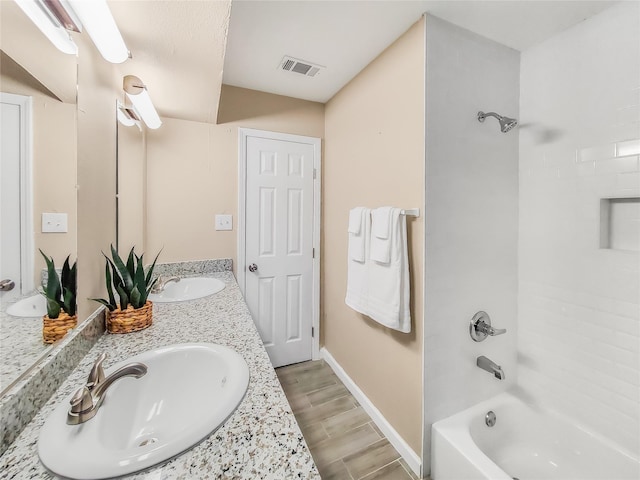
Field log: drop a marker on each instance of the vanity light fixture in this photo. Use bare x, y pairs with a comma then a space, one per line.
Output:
127, 116
101, 27
55, 18
49, 25
136, 91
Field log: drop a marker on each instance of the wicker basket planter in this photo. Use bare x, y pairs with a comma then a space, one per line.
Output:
130, 320
56, 328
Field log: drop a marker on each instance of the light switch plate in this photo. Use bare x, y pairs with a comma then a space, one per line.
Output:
54, 223
224, 222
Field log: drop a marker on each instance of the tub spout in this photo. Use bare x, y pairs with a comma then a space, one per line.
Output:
490, 366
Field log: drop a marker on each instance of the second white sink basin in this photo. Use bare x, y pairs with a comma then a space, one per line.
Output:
188, 289
189, 390
34, 306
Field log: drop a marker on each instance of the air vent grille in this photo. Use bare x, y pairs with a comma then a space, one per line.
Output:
302, 67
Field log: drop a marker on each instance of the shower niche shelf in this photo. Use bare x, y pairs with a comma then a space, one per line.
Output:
620, 223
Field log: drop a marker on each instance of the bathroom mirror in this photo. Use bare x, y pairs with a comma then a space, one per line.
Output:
131, 188
32, 68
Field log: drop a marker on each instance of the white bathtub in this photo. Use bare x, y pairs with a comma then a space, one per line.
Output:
525, 443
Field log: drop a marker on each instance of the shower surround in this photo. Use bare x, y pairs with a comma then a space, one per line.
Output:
517, 224
471, 217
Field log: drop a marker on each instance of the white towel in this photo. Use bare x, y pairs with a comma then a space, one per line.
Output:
381, 238
357, 271
381, 222
355, 220
357, 235
388, 284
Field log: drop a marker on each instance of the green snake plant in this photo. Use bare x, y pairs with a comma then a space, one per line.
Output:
129, 280
60, 292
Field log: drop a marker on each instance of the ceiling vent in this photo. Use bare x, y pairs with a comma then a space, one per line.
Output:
302, 67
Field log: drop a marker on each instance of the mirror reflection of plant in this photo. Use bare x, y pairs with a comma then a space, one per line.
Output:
130, 281
60, 292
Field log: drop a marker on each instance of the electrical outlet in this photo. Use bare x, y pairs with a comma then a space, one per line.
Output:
224, 222
54, 223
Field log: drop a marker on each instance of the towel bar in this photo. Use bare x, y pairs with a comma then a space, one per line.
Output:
411, 212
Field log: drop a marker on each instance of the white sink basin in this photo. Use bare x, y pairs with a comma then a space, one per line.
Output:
34, 306
187, 289
188, 392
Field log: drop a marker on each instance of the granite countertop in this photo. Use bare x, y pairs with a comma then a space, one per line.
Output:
20, 342
261, 439
20, 338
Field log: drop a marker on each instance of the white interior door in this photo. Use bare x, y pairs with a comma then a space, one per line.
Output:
15, 259
279, 243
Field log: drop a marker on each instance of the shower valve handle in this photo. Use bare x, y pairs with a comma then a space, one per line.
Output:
480, 327
491, 331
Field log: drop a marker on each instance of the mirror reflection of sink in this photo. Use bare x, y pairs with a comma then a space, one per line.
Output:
189, 390
34, 306
188, 289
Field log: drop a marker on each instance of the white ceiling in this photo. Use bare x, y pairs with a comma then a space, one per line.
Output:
344, 36
177, 50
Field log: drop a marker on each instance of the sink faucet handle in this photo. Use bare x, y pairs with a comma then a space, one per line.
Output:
81, 401
158, 284
96, 375
85, 403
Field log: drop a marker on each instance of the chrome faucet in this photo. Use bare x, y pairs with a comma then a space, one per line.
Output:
161, 283
490, 366
87, 400
480, 327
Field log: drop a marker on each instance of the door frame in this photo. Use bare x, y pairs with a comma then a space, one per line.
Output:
243, 134
25, 104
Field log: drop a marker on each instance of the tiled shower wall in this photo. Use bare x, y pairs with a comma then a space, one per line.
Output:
579, 325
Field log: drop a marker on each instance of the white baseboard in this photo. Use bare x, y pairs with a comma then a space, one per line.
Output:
411, 457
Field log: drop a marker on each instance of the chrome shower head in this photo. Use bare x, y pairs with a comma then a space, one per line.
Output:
506, 123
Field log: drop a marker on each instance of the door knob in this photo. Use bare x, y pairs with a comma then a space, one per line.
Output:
253, 267
7, 285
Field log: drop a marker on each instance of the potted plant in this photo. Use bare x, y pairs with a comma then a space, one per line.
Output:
132, 284
61, 300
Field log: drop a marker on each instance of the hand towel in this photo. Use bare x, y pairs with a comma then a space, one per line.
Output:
388, 300
381, 222
357, 273
381, 241
356, 233
355, 220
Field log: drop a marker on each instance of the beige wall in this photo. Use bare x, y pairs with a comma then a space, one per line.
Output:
98, 89
375, 125
192, 171
374, 156
54, 162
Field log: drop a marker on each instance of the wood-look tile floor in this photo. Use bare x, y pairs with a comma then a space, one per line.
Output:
344, 441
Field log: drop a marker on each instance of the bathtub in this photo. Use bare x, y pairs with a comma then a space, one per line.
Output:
525, 443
